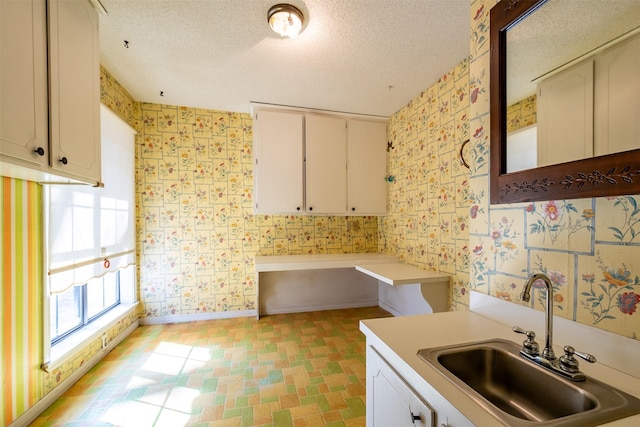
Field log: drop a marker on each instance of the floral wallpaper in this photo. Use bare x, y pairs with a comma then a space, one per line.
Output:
429, 196
590, 248
197, 234
522, 114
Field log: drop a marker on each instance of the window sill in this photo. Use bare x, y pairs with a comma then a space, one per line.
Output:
79, 339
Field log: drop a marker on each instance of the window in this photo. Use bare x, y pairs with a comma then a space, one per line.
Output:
91, 238
80, 305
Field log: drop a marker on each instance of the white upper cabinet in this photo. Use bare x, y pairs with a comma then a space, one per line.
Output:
367, 153
565, 113
50, 91
24, 135
591, 108
617, 93
326, 164
74, 67
318, 163
279, 161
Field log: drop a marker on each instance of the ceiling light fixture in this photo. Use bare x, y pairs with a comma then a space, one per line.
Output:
285, 20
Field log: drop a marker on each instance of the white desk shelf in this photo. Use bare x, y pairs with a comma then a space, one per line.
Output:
292, 283
418, 284
266, 263
401, 274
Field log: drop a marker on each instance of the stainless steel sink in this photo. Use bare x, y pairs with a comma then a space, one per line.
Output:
521, 393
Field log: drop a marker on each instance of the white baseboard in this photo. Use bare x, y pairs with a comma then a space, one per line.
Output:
160, 320
390, 309
32, 413
319, 307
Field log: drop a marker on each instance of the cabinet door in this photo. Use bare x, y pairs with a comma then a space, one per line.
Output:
23, 82
278, 175
565, 116
390, 400
367, 167
326, 164
617, 125
74, 80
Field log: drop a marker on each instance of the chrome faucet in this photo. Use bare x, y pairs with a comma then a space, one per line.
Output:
567, 365
547, 352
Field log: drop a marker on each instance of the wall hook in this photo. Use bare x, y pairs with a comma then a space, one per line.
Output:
126, 44
462, 160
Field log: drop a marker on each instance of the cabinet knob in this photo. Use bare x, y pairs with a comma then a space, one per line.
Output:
39, 150
298, 208
353, 209
310, 208
415, 417
64, 160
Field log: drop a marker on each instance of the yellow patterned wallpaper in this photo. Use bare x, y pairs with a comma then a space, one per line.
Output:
197, 234
522, 114
589, 248
429, 202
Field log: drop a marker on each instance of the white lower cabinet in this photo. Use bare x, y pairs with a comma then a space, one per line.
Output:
393, 402
390, 400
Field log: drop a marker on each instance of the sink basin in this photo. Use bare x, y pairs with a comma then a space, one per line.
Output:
521, 393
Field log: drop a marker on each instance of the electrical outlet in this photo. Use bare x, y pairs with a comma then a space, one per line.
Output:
104, 341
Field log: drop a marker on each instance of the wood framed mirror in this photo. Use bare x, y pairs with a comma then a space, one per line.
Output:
602, 175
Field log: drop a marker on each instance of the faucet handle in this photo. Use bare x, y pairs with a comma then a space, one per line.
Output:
529, 346
569, 363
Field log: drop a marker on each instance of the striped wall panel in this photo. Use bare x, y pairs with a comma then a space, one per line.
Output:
21, 264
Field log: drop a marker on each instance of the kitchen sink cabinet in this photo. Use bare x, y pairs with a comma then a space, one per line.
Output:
50, 91
393, 401
390, 400
318, 163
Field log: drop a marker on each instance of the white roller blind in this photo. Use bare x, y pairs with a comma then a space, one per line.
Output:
91, 229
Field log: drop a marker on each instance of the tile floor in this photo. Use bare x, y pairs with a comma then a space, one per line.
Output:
299, 370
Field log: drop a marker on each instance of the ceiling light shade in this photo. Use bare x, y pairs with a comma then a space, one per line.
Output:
285, 20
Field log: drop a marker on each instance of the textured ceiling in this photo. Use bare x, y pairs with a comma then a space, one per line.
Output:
560, 32
359, 56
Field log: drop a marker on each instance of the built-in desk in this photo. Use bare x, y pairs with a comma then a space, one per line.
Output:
294, 283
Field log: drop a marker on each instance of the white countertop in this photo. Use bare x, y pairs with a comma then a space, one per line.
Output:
399, 339
401, 274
